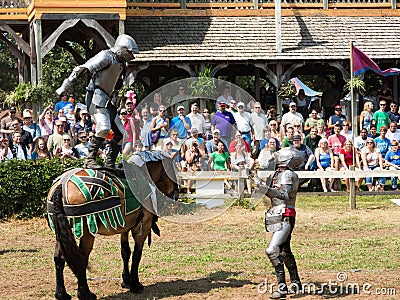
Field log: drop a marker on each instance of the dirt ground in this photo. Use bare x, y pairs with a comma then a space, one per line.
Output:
27, 270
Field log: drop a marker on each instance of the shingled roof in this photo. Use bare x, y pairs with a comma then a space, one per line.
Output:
253, 38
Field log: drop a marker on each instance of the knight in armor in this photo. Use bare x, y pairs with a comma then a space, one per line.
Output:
106, 69
282, 188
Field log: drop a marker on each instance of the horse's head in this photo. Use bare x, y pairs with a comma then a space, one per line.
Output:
164, 175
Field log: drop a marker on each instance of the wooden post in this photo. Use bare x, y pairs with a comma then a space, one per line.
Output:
352, 195
241, 184
255, 4
37, 27
326, 3
278, 41
121, 27
278, 84
183, 4
33, 56
257, 83
394, 4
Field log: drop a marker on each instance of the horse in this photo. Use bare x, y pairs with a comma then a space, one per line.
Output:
69, 196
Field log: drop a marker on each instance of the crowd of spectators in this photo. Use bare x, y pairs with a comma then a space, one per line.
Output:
233, 136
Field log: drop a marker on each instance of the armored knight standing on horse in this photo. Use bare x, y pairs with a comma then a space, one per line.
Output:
107, 69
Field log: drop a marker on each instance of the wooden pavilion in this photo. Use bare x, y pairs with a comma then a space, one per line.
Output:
235, 38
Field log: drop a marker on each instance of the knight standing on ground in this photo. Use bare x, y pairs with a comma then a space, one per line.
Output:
107, 69
282, 188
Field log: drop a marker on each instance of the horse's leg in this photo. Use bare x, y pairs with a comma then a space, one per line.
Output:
136, 286
86, 244
61, 293
126, 254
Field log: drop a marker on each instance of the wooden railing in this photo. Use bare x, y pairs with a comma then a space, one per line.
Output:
261, 4
210, 176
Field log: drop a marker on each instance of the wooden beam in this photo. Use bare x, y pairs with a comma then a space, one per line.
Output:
13, 49
20, 42
187, 68
100, 29
50, 42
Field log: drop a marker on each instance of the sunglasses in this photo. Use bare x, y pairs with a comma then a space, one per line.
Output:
369, 142
162, 110
345, 125
59, 125
272, 124
382, 104
124, 114
83, 137
393, 145
49, 113
257, 107
206, 112
67, 140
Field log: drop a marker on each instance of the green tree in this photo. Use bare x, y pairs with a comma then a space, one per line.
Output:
57, 65
8, 71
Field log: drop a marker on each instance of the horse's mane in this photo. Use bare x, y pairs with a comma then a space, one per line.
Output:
142, 157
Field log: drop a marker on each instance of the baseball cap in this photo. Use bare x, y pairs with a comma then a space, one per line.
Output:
194, 130
83, 111
338, 106
180, 107
240, 104
128, 101
13, 109
216, 131
292, 104
63, 119
222, 104
296, 137
123, 111
58, 122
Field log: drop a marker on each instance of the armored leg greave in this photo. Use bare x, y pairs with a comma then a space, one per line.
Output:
94, 147
112, 154
282, 290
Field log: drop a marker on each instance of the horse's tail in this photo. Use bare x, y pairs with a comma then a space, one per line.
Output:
155, 229
73, 255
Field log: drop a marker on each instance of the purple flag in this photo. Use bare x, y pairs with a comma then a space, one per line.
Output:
362, 63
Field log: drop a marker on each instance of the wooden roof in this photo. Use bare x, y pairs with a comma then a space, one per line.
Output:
253, 38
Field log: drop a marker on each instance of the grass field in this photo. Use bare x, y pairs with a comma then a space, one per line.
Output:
224, 258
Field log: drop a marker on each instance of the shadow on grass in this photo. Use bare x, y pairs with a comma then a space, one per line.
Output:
181, 287
18, 250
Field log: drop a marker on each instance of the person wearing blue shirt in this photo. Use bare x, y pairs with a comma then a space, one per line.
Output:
181, 123
392, 159
63, 104
382, 143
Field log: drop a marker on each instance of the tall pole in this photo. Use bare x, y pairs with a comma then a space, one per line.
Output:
352, 197
278, 26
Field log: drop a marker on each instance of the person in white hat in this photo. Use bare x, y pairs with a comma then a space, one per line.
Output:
290, 117
31, 127
244, 123
182, 123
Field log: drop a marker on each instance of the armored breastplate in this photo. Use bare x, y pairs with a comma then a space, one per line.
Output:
289, 181
107, 79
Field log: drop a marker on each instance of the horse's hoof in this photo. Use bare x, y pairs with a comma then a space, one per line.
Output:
87, 296
62, 296
137, 288
125, 285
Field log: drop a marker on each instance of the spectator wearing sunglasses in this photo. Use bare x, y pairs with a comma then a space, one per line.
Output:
55, 140
83, 147
66, 150
46, 122
6, 123
381, 117
392, 159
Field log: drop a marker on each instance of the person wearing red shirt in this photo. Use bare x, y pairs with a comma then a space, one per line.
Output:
336, 142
